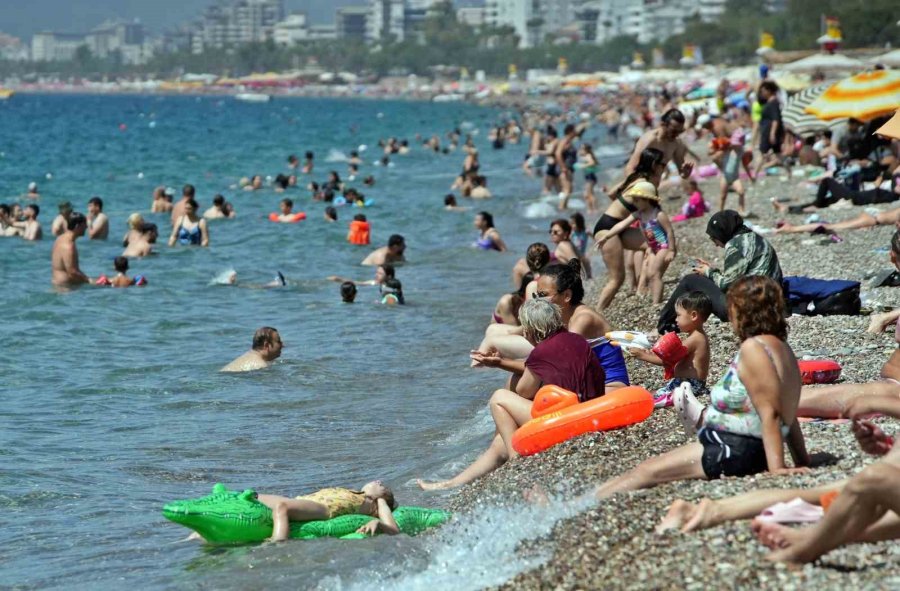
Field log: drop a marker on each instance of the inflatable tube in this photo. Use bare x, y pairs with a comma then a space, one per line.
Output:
293, 219
621, 408
552, 399
819, 371
629, 338
228, 517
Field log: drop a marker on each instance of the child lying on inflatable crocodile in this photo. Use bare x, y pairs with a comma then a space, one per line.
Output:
230, 516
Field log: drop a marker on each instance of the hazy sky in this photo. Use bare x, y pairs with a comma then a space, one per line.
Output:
25, 17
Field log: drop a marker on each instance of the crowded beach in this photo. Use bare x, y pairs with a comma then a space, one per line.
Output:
733, 356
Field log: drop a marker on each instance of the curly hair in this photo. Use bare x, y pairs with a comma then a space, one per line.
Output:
756, 307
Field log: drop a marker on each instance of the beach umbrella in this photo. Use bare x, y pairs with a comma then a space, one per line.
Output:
790, 81
890, 59
864, 97
891, 129
794, 115
825, 62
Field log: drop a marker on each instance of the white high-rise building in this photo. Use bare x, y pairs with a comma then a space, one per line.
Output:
532, 20
386, 20
236, 22
293, 29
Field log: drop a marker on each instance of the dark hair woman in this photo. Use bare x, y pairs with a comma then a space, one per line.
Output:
753, 410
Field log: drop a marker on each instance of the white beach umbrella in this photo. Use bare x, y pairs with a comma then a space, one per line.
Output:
798, 122
890, 59
826, 63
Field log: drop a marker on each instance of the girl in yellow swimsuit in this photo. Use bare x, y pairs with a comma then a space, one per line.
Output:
373, 499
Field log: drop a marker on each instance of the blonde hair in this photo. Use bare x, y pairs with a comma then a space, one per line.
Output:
541, 318
135, 221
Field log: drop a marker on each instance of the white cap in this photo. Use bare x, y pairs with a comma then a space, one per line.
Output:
32, 186
169, 191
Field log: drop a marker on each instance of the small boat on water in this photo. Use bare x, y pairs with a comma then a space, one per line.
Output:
253, 97
447, 98
5, 93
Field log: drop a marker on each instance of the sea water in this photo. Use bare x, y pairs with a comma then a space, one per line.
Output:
112, 399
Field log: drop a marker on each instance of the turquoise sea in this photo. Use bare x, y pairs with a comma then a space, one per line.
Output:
112, 403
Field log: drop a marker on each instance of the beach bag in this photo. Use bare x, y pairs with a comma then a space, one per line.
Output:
822, 297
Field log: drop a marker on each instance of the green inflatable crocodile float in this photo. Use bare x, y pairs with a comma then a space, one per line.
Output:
228, 516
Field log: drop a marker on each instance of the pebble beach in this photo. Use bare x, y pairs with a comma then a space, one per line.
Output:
613, 545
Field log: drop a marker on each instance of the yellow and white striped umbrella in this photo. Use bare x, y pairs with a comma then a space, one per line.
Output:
864, 97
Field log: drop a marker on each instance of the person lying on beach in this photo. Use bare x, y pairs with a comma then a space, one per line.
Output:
830, 401
753, 410
691, 311
374, 499
830, 191
558, 357
266, 348
392, 253
863, 220
864, 510
562, 285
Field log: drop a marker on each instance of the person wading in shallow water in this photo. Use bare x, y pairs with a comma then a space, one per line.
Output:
266, 348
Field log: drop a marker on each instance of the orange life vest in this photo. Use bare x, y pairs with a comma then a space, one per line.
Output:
359, 232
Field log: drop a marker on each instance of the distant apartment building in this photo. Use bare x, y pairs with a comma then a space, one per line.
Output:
124, 41
397, 20
292, 30
474, 16
322, 32
12, 48
351, 21
235, 22
532, 20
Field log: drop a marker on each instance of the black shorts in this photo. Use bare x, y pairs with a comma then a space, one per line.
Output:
606, 222
729, 454
552, 170
765, 147
590, 177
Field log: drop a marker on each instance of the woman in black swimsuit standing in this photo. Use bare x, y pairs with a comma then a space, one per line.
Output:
649, 168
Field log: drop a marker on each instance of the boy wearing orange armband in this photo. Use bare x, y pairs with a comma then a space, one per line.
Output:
687, 360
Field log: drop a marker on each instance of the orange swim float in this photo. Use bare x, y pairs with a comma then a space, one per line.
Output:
294, 218
359, 232
819, 371
558, 416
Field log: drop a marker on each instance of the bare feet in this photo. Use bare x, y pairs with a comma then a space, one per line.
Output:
679, 512
706, 515
774, 535
780, 207
440, 485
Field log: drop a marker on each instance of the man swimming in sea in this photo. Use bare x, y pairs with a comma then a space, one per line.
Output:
392, 253
98, 223
64, 257
266, 348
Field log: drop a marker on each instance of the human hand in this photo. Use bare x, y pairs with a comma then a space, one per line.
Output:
878, 323
701, 269
601, 241
369, 529
871, 438
669, 256
686, 169
490, 358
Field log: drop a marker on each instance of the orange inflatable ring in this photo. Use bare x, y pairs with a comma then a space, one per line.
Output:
294, 218
819, 371
563, 417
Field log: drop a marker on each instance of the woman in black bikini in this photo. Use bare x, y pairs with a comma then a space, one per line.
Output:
648, 168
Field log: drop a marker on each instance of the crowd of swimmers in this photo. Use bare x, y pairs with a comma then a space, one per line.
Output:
544, 332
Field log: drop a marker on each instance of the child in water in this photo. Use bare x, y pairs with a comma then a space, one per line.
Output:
120, 264
392, 292
373, 499
692, 309
658, 233
348, 292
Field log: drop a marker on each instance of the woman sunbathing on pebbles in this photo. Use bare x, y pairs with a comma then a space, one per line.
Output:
863, 220
559, 357
754, 406
867, 508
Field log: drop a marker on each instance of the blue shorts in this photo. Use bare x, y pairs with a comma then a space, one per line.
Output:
613, 362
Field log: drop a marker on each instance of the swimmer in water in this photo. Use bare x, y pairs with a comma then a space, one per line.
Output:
489, 239
122, 279
287, 211
348, 292
220, 209
32, 191
383, 272
266, 348
190, 230
330, 214
141, 243
30, 226
392, 253
308, 165
64, 256
162, 200
135, 222
231, 278
60, 222
392, 293
450, 203
98, 223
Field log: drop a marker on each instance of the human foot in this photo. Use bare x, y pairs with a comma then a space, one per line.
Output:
679, 512
439, 485
689, 409
774, 535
